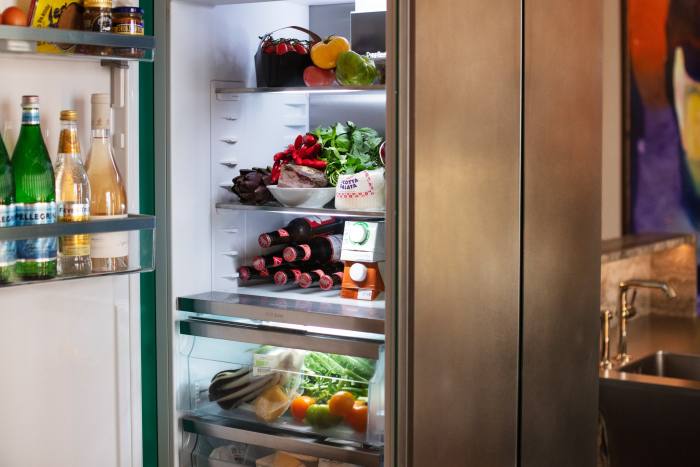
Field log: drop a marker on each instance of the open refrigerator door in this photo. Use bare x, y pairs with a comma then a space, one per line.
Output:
277, 231
72, 392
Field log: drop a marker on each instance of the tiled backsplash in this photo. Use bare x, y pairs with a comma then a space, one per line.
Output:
666, 258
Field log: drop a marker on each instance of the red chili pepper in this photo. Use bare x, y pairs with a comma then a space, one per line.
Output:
316, 149
279, 156
314, 163
309, 139
298, 142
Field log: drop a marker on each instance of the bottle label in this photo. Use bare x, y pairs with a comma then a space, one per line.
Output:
74, 245
8, 250
30, 116
109, 245
132, 28
318, 221
36, 249
336, 242
283, 233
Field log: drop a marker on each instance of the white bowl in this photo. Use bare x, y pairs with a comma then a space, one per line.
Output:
302, 197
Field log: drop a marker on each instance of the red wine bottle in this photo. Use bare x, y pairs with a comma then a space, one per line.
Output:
270, 260
331, 281
247, 273
302, 230
292, 273
319, 249
312, 277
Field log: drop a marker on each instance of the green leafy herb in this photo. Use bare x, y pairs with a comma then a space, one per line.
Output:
326, 374
348, 149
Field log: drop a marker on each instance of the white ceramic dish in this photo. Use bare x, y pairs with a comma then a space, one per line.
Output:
302, 197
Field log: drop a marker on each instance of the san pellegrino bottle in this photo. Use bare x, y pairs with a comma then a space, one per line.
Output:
35, 195
7, 215
72, 198
110, 251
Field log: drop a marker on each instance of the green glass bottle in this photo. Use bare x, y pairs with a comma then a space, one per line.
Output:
7, 216
35, 195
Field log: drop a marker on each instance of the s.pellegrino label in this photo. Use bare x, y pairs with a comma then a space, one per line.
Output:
37, 250
8, 249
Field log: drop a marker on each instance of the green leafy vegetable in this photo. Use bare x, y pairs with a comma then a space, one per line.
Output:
348, 149
326, 374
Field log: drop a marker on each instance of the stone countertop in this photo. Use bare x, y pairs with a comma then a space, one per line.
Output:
644, 244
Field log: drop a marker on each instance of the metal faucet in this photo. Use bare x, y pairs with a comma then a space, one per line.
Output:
605, 317
627, 311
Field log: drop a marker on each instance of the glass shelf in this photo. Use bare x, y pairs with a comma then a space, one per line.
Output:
375, 88
270, 207
348, 316
140, 229
24, 40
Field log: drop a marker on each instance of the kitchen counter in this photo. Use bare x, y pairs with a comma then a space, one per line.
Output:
647, 334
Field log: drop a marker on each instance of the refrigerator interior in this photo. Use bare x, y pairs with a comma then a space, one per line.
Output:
71, 393
212, 136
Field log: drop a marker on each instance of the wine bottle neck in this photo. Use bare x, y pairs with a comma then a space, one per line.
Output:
30, 116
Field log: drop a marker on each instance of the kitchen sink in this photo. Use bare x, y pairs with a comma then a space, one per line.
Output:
666, 365
651, 409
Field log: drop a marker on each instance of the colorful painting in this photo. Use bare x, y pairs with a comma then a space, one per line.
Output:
662, 117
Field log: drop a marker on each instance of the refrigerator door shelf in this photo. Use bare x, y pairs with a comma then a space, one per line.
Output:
16, 39
272, 310
275, 208
290, 337
138, 232
258, 435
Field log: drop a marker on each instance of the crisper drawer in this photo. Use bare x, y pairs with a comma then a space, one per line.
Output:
311, 393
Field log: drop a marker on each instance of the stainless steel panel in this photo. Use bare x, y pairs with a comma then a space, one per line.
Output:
227, 429
294, 339
368, 31
282, 310
561, 232
462, 309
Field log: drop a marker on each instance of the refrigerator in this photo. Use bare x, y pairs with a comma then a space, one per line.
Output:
467, 346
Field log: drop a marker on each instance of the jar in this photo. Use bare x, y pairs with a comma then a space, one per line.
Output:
128, 20
97, 17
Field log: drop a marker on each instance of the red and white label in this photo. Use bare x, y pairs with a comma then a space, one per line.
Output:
318, 221
336, 242
283, 233
307, 252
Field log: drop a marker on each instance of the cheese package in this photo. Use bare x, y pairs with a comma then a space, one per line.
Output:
60, 14
363, 191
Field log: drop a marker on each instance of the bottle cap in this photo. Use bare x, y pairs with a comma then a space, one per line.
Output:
289, 254
358, 272
305, 280
100, 111
98, 4
280, 278
30, 101
264, 241
69, 116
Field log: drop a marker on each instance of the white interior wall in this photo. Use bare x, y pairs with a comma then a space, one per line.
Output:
612, 122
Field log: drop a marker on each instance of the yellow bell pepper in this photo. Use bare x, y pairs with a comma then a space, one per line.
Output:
325, 54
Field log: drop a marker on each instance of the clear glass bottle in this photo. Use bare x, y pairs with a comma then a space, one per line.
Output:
110, 251
35, 195
72, 198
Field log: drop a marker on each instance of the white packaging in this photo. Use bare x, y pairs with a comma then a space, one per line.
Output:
363, 191
363, 241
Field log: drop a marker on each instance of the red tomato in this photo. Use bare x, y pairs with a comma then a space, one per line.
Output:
282, 48
341, 403
300, 49
357, 418
13, 16
315, 76
299, 407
